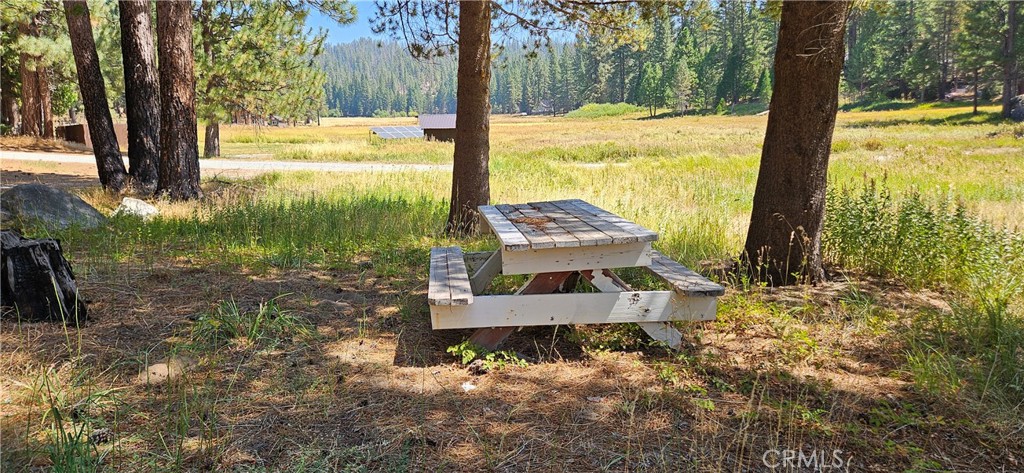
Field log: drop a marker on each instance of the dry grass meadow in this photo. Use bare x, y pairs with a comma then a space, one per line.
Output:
282, 325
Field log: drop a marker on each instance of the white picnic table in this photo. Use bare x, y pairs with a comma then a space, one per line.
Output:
552, 241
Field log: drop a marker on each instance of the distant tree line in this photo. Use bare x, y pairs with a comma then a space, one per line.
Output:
695, 55
929, 50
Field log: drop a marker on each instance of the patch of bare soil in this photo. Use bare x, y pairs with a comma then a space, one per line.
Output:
62, 175
376, 389
31, 143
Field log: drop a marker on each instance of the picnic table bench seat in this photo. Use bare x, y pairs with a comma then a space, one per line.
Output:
449, 279
683, 280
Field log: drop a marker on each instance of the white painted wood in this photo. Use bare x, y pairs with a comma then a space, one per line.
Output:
565, 309
642, 234
537, 238
683, 280
615, 232
474, 259
606, 281
510, 237
438, 292
458, 278
585, 233
576, 259
663, 332
485, 273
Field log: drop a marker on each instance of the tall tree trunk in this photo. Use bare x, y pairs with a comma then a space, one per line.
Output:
141, 94
211, 146
8, 107
109, 165
179, 143
975, 99
1010, 57
784, 240
45, 103
31, 124
471, 175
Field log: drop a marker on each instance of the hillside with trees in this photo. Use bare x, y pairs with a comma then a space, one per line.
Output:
700, 55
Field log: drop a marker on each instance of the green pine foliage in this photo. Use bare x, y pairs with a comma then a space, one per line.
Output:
257, 58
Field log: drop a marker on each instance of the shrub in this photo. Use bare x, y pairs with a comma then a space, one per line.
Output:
979, 343
938, 244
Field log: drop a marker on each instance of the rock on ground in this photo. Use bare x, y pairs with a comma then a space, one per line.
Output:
1017, 108
53, 208
140, 208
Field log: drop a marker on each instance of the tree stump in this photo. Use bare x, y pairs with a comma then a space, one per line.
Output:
37, 282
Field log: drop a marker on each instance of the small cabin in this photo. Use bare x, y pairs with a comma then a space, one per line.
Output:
439, 127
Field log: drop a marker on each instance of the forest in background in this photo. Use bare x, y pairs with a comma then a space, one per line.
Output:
699, 55
709, 56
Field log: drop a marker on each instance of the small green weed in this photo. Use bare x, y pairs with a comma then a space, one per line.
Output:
468, 351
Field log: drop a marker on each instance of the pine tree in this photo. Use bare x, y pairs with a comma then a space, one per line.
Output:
651, 88
979, 44
763, 91
257, 57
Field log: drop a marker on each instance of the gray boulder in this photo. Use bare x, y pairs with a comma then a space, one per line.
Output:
1017, 108
50, 207
139, 208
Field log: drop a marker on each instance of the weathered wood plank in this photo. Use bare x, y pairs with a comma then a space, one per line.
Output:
552, 227
683, 279
584, 232
458, 278
642, 234
438, 291
537, 238
484, 271
510, 237
564, 309
474, 259
618, 234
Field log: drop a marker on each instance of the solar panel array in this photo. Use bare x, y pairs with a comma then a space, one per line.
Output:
397, 132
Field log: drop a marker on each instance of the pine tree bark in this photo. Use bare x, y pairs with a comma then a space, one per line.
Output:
113, 176
31, 117
45, 103
141, 94
179, 142
784, 240
471, 174
1010, 57
8, 107
211, 144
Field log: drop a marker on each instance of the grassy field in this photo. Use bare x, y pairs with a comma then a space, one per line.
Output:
290, 313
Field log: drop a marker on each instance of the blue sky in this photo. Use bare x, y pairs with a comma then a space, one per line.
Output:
342, 34
361, 28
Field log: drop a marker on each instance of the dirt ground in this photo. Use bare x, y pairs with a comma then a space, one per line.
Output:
375, 389
63, 175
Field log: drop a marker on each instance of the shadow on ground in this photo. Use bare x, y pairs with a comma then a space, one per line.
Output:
374, 389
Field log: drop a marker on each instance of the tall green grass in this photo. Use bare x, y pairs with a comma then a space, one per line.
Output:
936, 243
596, 110
979, 344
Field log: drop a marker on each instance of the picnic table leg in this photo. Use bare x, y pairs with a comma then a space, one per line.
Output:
606, 281
544, 283
486, 273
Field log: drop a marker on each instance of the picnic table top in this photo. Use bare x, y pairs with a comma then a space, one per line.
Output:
560, 224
